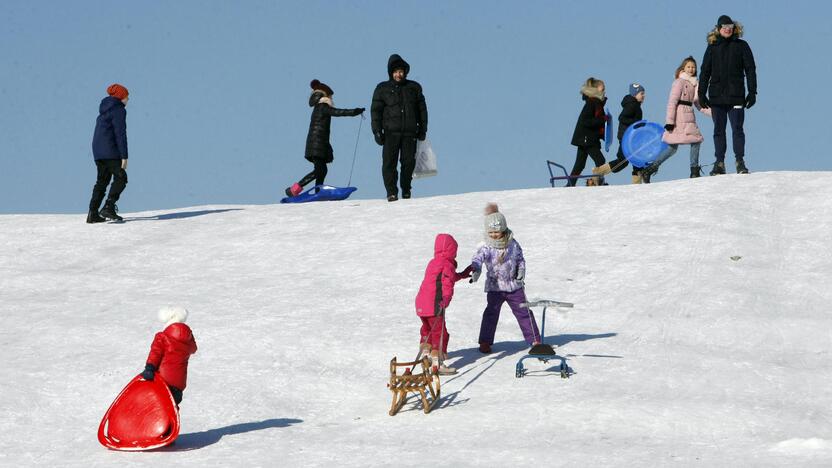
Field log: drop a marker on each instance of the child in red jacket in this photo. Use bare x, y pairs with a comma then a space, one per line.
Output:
170, 351
433, 298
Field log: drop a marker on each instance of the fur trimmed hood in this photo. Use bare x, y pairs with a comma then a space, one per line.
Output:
169, 315
592, 92
714, 36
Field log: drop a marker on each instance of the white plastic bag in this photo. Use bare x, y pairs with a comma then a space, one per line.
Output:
425, 160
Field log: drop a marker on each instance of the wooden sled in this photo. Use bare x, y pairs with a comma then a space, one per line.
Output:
424, 383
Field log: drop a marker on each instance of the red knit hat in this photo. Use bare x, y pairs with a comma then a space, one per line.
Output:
117, 91
318, 86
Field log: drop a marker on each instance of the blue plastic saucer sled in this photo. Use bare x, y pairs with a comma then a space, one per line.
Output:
642, 143
326, 193
542, 351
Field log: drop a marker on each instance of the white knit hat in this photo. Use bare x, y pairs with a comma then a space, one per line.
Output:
170, 315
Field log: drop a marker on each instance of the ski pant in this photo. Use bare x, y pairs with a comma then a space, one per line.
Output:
671, 150
176, 393
593, 152
434, 332
108, 169
318, 174
491, 315
398, 148
721, 115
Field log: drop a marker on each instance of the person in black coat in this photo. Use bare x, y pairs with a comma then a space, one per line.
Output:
109, 150
318, 149
728, 63
589, 130
399, 118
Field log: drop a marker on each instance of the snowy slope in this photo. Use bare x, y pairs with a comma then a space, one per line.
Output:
682, 356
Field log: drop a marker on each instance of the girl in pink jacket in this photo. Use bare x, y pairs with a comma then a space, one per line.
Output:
680, 122
434, 296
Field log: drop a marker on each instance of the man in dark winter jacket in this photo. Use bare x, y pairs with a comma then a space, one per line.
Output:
399, 118
109, 148
728, 63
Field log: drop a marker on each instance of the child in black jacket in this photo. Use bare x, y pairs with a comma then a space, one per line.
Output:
589, 130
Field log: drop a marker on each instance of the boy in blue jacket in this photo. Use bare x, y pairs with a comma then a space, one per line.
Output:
109, 149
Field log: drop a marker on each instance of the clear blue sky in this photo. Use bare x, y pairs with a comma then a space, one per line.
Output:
218, 108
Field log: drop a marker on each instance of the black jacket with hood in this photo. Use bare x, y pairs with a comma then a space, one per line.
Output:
589, 130
399, 106
727, 64
317, 140
630, 114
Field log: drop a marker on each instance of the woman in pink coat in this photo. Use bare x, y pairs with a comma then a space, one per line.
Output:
433, 298
680, 122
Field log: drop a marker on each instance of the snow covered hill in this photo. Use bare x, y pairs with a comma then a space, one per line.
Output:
701, 333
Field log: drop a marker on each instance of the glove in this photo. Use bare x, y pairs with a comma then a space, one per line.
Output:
703, 102
750, 100
421, 136
379, 138
669, 127
521, 273
149, 369
359, 110
475, 276
466, 273
124, 164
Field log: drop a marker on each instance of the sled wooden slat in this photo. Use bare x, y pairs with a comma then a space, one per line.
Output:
425, 384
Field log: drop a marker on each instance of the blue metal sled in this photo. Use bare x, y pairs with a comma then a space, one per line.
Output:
321, 193
543, 352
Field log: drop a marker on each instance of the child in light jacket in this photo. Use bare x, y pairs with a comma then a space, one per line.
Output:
502, 256
434, 297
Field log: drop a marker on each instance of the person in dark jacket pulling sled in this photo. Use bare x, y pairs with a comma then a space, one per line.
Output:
728, 63
109, 149
318, 150
630, 114
399, 118
589, 130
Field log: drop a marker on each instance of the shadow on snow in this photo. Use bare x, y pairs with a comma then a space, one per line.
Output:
198, 440
179, 215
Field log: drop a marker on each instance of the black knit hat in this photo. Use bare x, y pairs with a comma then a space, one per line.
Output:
724, 19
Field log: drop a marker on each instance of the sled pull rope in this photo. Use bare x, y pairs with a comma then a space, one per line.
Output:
355, 151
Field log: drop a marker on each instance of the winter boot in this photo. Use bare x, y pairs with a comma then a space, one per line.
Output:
718, 169
637, 178
94, 217
603, 169
741, 169
406, 194
485, 348
438, 366
424, 351
110, 211
695, 171
647, 173
294, 190
392, 198
572, 181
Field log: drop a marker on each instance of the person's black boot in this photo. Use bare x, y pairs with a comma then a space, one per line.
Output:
94, 217
406, 194
741, 169
695, 171
110, 211
719, 168
647, 173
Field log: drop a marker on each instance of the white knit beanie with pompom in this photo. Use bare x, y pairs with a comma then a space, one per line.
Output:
170, 315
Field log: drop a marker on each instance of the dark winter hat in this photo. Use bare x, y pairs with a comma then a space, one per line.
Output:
318, 86
117, 91
636, 88
724, 19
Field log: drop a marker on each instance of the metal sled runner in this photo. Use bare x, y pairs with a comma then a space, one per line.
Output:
424, 383
566, 176
543, 352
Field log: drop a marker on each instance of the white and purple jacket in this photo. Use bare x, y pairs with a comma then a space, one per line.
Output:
506, 268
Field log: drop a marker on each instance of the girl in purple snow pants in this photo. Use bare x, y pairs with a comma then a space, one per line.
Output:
503, 257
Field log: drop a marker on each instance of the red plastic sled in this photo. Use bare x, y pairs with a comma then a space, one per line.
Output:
142, 417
